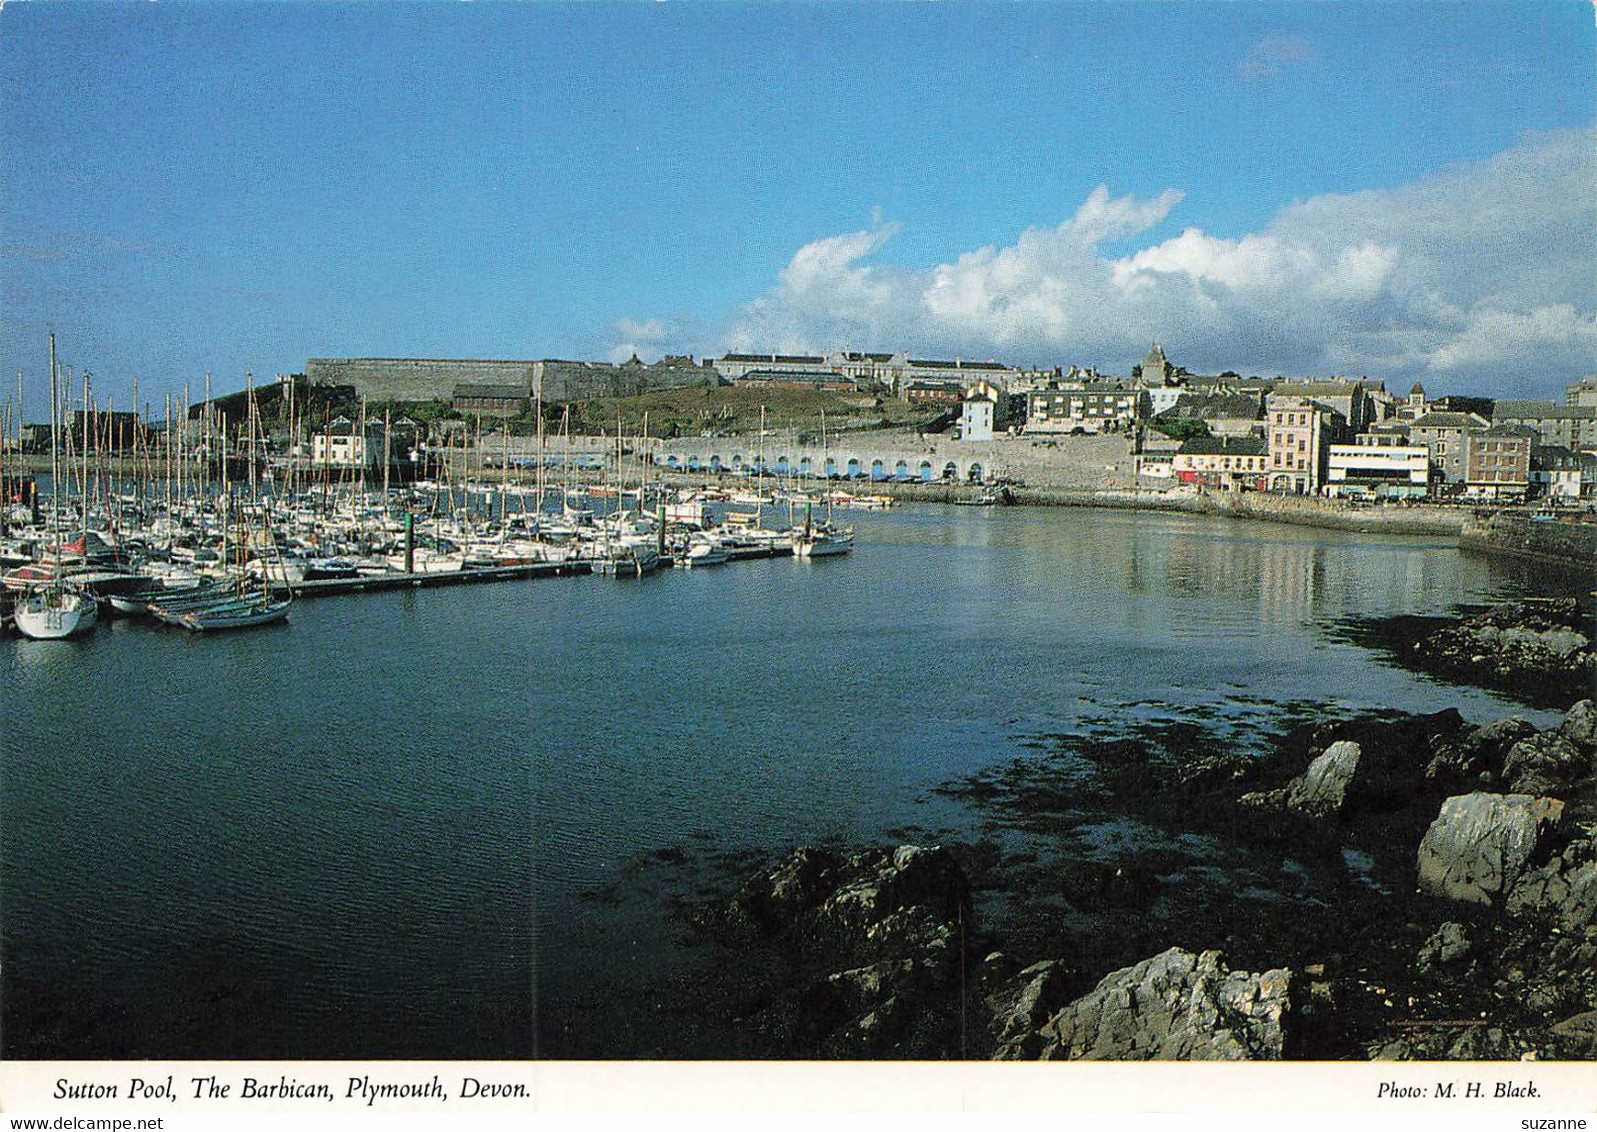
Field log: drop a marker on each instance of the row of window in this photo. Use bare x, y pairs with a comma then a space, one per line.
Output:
1230, 464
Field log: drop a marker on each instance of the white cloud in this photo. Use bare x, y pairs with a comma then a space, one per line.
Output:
652, 330
1498, 337
1271, 55
1484, 273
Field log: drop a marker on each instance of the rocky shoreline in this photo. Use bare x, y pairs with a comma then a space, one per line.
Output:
1540, 650
1469, 930
1321, 887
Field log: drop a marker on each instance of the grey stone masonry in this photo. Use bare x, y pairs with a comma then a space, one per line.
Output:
427, 379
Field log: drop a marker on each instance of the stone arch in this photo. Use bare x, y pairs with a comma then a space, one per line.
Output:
926, 470
693, 463
830, 469
806, 466
782, 467
715, 463
878, 469
973, 473
950, 471
901, 468
852, 467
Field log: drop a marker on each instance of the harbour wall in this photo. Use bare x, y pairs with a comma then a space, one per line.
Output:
1561, 541
1305, 511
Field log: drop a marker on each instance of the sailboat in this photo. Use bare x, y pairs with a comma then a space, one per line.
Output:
821, 540
55, 610
238, 605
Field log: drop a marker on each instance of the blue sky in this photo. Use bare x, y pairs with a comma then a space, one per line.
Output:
1402, 189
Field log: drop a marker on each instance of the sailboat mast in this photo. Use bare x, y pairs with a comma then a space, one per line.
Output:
21, 466
205, 434
83, 480
825, 464
538, 474
138, 480
182, 447
55, 447
251, 417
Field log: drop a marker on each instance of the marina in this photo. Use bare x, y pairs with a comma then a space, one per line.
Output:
234, 545
689, 547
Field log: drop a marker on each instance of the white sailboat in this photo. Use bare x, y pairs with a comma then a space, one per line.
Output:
821, 540
55, 610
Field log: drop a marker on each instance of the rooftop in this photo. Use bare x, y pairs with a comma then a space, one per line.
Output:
1226, 446
1214, 406
1449, 420
1542, 410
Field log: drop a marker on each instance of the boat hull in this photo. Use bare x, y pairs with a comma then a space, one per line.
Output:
53, 617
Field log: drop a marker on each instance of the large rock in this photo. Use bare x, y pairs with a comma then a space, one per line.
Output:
1564, 888
874, 944
1560, 643
1577, 1035
1322, 790
1480, 844
773, 902
875, 885
1176, 1006
1475, 756
1580, 725
1448, 944
1020, 1009
1545, 763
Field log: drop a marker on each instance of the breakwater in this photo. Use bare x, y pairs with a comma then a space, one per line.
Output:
1563, 541
1417, 519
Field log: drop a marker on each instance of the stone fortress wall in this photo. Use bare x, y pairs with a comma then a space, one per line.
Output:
427, 379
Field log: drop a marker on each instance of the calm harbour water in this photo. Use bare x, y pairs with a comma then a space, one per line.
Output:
376, 830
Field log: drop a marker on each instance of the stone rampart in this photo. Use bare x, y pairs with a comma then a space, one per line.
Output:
428, 379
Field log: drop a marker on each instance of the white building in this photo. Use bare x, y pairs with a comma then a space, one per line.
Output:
1377, 471
343, 445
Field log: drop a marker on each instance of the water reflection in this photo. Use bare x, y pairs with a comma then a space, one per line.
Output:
384, 802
